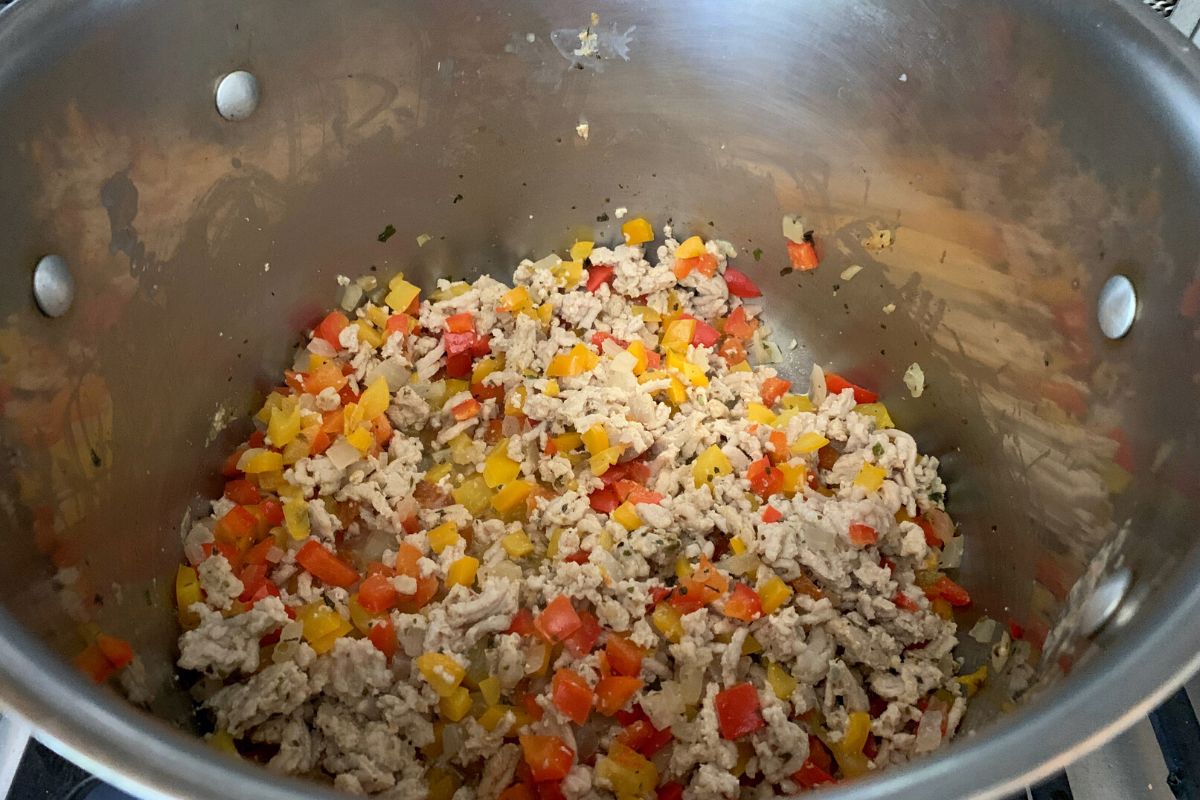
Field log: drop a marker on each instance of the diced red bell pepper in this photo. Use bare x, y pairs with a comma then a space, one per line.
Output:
258, 553
482, 346
699, 589
242, 492
905, 602
743, 604
705, 335
738, 325
614, 692
733, 351
466, 409
670, 791
931, 537
331, 327
949, 591
377, 594
862, 535
605, 500
549, 790
253, 577
598, 275
836, 384
460, 323
571, 695
272, 511
579, 557
803, 255
383, 635
458, 365
237, 525
457, 343
624, 657
740, 285
643, 737
325, 566
522, 624
257, 439
548, 757
634, 470
1016, 630
519, 791
582, 641
771, 514
765, 478
772, 389
407, 563
398, 323
558, 620
600, 337
635, 493
738, 711
810, 776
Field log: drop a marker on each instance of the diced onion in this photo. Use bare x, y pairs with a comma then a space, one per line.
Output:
914, 379
392, 370
351, 296
342, 454
452, 740
741, 564
546, 262
193, 543
793, 228
429, 390
952, 553
929, 731
849, 272
984, 630
818, 390
320, 347
506, 569
274, 555
691, 682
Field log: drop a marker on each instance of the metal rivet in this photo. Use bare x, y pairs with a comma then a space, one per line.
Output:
1104, 601
53, 286
1117, 307
237, 95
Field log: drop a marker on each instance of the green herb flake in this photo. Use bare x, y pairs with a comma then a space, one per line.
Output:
877, 450
388, 233
757, 254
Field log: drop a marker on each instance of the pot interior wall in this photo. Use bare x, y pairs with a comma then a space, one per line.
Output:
1016, 169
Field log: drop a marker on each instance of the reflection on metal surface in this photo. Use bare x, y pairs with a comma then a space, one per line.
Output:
1103, 602
53, 285
237, 95
1117, 307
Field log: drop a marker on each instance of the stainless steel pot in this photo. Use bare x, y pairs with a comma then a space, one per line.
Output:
1021, 152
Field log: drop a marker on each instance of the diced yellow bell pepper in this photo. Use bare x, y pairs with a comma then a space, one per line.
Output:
647, 313
284, 425
750, 646
322, 626
187, 592
757, 412
808, 442
435, 748
870, 477
498, 468
595, 439
676, 392
605, 540
296, 449
489, 688
462, 449
849, 750
693, 373
551, 389
682, 568
437, 472
667, 619
941, 606
474, 495
691, 247
581, 250
257, 460
485, 367
369, 333
737, 545
456, 386
780, 681
360, 618
517, 545
631, 775
797, 402
515, 401
375, 400
552, 542
637, 349
745, 752
295, 518
568, 274
793, 477
511, 495
678, 335
274, 401
493, 716
637, 231
401, 294
974, 681
456, 705
352, 417
443, 536
545, 312
741, 366
578, 360
774, 593
377, 316
567, 442
627, 516
878, 411
462, 571
514, 300
709, 464
315, 361
442, 672
601, 461
361, 439
222, 740
442, 784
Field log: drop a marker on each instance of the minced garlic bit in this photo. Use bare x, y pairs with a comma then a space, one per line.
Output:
494, 511
889, 308
849, 272
582, 130
914, 379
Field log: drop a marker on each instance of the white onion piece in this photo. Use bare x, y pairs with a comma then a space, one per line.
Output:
984, 630
691, 682
929, 731
943, 526
819, 538
741, 564
510, 426
342, 454
407, 507
818, 391
320, 347
351, 296
952, 553
506, 569
430, 390
392, 370
793, 228
546, 262
914, 379
452, 740
193, 543
301, 360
